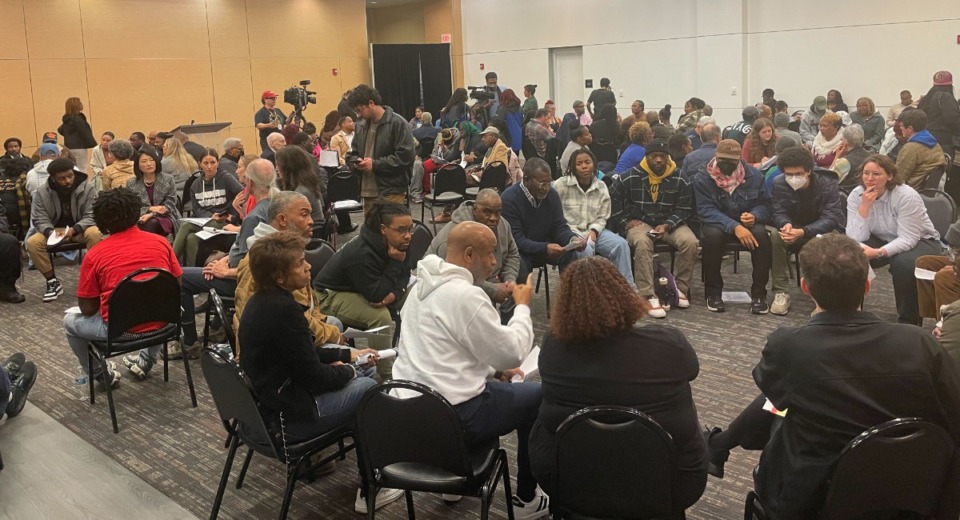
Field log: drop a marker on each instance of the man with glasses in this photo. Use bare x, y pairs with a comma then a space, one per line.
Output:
535, 214
382, 151
487, 210
269, 118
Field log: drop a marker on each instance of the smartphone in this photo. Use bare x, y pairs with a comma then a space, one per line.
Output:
653, 234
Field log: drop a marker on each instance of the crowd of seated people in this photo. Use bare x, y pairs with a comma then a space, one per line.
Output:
626, 186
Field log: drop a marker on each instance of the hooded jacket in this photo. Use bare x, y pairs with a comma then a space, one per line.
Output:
919, 156
363, 266
76, 132
826, 200
452, 339
874, 128
393, 152
943, 114
47, 208
506, 253
809, 125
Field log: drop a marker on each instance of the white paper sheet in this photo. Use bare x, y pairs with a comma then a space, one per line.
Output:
736, 297
196, 221
529, 367
346, 204
329, 159
352, 333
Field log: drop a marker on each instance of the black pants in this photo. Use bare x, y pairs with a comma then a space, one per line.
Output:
9, 261
713, 241
904, 280
750, 430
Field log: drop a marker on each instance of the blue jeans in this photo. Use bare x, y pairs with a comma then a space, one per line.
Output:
499, 410
613, 247
192, 282
82, 329
334, 409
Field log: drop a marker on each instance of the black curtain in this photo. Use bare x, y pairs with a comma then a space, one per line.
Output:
399, 72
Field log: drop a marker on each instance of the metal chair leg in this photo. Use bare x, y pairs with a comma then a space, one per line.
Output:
223, 478
243, 469
507, 493
90, 372
411, 515
113, 408
166, 364
186, 366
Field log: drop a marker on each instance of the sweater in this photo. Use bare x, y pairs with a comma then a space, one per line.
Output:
215, 195
535, 227
452, 338
282, 362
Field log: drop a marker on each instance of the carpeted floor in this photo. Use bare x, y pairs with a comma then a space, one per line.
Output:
179, 449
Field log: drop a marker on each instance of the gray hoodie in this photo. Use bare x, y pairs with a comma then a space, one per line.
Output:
508, 257
810, 125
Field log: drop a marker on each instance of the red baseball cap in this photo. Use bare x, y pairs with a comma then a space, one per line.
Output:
268, 94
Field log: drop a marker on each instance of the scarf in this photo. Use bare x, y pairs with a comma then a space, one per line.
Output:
727, 184
656, 180
822, 147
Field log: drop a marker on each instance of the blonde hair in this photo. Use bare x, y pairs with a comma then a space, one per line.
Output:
872, 107
183, 161
73, 106
638, 129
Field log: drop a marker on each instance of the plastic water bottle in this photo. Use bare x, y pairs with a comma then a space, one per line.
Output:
80, 383
666, 291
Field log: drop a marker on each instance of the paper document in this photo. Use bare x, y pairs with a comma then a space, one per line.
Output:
346, 204
196, 221
736, 297
209, 232
56, 238
530, 366
923, 274
389, 353
768, 406
72, 310
352, 333
329, 159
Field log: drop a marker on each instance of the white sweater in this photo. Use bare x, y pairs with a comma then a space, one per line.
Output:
452, 337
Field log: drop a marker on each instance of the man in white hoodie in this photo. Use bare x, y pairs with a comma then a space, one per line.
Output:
452, 341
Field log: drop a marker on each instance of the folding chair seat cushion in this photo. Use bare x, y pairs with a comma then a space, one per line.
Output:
422, 477
129, 341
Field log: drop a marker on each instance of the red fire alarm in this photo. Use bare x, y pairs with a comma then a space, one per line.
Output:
335, 71
481, 65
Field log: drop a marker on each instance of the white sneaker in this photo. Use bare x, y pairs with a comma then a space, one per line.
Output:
781, 304
450, 498
536, 508
384, 496
683, 302
656, 310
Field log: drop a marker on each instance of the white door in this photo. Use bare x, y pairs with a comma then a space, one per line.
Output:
566, 67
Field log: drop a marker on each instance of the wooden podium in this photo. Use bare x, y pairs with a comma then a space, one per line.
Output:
207, 134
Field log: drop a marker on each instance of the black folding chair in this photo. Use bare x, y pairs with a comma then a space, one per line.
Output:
399, 452
419, 242
67, 246
941, 209
240, 412
630, 470
449, 187
605, 151
345, 185
226, 318
140, 299
494, 177
318, 256
185, 202
903, 465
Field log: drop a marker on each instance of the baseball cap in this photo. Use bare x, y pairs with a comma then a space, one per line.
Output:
728, 149
820, 103
943, 77
491, 130
49, 148
50, 137
657, 146
750, 112
267, 94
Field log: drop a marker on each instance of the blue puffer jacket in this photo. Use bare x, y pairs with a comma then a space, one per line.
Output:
718, 208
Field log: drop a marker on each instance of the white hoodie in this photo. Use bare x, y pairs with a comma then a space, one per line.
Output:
452, 337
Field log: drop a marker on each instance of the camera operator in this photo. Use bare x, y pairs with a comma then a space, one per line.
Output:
495, 89
269, 118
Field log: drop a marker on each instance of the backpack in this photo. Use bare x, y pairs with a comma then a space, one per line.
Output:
668, 294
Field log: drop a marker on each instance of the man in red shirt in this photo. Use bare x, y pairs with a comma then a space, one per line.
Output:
125, 250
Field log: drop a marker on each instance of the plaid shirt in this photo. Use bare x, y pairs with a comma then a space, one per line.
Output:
630, 195
584, 210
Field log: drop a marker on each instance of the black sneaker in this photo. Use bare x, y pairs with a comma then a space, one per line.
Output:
21, 388
13, 364
54, 289
759, 305
715, 304
717, 457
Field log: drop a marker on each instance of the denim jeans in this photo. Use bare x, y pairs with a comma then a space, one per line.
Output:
82, 329
334, 409
192, 283
613, 247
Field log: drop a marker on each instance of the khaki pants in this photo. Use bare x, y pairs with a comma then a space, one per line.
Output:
943, 290
399, 198
37, 247
355, 311
682, 238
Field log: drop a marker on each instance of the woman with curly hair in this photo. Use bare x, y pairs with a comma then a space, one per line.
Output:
760, 144
640, 134
595, 354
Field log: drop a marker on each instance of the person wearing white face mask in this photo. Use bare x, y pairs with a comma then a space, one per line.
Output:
806, 202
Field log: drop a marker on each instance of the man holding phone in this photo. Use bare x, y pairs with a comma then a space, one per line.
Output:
733, 206
652, 202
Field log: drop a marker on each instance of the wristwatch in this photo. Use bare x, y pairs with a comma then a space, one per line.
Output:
881, 253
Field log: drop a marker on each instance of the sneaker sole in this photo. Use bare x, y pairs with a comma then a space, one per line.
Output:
764, 311
47, 298
715, 309
362, 509
784, 313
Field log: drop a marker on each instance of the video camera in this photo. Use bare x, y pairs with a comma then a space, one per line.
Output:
483, 93
299, 97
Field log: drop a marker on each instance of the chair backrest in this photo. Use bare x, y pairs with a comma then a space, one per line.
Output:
225, 318
450, 178
900, 465
603, 451
187, 194
235, 398
494, 177
343, 186
419, 242
940, 208
318, 257
425, 150
528, 148
553, 157
127, 301
422, 428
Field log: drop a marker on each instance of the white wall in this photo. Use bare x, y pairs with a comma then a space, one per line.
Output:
666, 51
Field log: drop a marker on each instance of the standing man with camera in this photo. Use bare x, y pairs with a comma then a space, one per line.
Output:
382, 151
269, 118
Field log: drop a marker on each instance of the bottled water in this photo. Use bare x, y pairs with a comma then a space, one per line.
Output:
80, 383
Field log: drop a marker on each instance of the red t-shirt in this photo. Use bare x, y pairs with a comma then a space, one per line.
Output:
118, 255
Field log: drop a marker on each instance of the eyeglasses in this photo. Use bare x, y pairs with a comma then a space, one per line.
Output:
542, 185
402, 230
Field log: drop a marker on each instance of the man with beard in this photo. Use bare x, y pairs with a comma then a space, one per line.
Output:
734, 206
652, 203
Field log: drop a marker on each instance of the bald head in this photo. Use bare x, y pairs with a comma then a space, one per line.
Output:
470, 245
